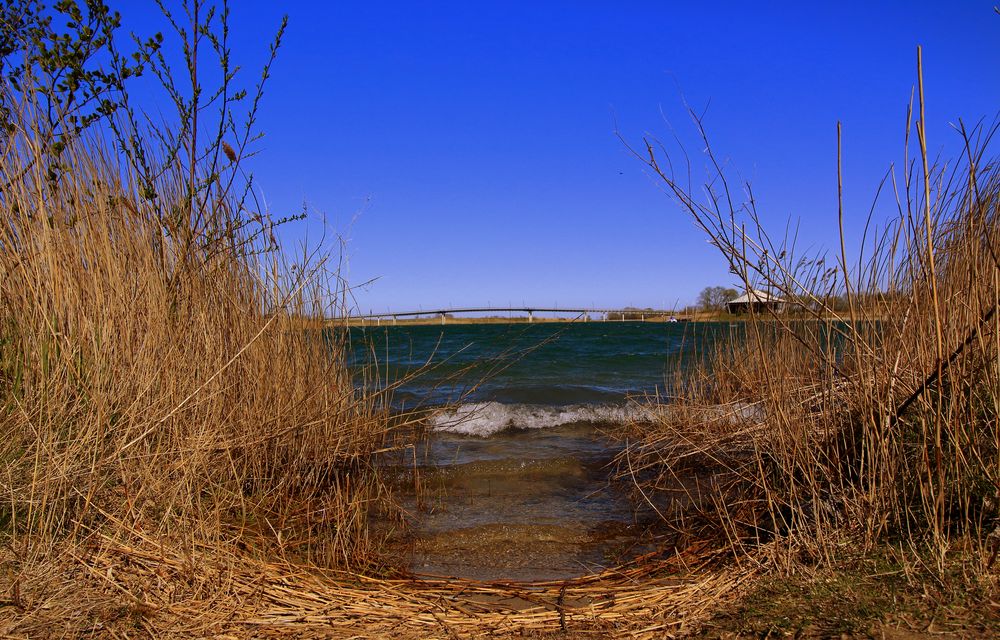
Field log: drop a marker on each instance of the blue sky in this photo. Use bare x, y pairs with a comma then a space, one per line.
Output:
467, 151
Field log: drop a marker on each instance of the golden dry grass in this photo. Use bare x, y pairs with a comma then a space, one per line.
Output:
873, 421
185, 453
120, 589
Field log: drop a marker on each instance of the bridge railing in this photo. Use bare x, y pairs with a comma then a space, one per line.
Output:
582, 315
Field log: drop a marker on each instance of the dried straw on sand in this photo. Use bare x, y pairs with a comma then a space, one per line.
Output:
120, 590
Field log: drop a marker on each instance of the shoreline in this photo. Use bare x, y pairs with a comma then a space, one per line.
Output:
657, 319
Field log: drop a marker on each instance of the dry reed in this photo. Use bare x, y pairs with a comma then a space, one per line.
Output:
145, 588
159, 372
875, 403
185, 452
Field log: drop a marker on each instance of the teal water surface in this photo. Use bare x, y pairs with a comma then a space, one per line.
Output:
540, 364
516, 475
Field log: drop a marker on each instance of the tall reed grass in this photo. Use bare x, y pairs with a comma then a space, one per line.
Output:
164, 370
873, 414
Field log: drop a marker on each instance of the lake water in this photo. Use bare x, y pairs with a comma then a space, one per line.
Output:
515, 477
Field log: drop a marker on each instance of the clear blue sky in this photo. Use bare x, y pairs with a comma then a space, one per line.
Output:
467, 150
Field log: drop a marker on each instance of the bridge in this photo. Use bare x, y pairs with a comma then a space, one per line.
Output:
583, 315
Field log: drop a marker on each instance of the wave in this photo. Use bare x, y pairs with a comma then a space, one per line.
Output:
483, 419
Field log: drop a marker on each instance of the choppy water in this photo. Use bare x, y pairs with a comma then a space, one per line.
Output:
550, 364
515, 477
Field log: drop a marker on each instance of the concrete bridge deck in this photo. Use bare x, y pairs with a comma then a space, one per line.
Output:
584, 314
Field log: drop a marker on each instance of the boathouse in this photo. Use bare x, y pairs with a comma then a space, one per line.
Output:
755, 300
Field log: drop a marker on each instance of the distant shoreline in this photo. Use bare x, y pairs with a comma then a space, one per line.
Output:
653, 319
451, 320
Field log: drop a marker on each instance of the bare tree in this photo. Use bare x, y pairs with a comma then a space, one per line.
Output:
714, 298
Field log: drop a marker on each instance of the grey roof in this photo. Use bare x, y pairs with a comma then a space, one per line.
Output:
754, 295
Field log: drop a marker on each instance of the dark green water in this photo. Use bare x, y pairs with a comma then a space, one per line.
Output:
515, 479
549, 365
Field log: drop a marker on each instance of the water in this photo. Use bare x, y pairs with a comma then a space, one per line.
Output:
550, 364
515, 480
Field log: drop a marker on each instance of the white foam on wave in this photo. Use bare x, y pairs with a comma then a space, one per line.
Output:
483, 419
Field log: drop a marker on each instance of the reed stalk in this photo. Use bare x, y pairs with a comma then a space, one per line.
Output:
875, 418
